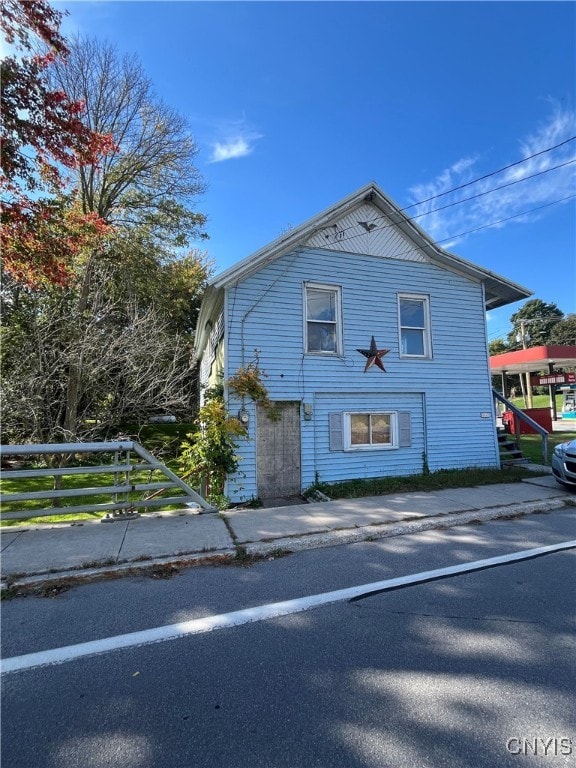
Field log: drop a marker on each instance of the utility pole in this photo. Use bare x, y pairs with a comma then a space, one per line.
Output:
525, 338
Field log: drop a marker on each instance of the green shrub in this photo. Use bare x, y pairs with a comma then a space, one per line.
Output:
209, 453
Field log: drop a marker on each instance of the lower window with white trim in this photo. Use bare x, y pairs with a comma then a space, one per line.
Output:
370, 430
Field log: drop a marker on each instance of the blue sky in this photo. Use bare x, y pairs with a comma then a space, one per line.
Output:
294, 105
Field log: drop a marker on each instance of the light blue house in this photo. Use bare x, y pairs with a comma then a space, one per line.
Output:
373, 340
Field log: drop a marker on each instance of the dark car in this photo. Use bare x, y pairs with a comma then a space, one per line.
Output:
564, 464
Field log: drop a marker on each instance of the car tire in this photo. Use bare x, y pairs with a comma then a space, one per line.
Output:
566, 486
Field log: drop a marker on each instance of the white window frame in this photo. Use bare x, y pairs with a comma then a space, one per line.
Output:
426, 330
336, 289
394, 429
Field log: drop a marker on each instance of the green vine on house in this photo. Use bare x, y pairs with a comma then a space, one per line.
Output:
247, 382
209, 454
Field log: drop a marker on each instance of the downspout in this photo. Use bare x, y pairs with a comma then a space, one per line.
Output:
425, 425
225, 371
257, 302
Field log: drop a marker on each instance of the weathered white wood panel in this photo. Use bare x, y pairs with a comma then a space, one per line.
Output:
278, 451
367, 231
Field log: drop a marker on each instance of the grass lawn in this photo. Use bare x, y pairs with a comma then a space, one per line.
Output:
538, 401
162, 440
433, 481
531, 445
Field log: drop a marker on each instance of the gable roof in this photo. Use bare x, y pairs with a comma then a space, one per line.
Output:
314, 233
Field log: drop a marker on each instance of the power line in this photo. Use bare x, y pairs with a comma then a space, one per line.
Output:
492, 173
538, 319
475, 181
508, 218
465, 199
489, 191
461, 234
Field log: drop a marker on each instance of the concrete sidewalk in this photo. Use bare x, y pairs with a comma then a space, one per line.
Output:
32, 555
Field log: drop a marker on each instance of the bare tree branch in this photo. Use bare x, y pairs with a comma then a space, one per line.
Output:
156, 151
139, 371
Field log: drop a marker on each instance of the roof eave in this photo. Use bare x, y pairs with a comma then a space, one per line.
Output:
498, 290
289, 240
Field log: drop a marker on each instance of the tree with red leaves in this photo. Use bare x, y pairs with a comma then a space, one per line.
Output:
99, 306
42, 134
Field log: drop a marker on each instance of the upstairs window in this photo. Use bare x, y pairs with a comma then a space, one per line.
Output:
414, 321
323, 319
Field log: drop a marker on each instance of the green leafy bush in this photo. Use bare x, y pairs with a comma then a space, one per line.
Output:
209, 453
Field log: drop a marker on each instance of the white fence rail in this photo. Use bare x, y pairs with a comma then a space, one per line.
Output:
128, 457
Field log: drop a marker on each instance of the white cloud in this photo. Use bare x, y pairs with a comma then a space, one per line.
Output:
237, 140
230, 150
489, 206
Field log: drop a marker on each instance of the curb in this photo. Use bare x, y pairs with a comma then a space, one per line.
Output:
287, 544
131, 568
385, 530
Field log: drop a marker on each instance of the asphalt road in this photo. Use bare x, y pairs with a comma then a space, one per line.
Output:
476, 670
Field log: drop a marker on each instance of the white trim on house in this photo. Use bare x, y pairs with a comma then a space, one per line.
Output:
426, 329
338, 321
350, 446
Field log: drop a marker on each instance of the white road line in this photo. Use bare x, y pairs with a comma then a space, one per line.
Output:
259, 613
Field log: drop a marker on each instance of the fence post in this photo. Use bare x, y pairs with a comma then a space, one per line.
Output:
116, 475
127, 474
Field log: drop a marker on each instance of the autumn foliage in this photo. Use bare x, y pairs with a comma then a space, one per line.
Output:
42, 240
42, 135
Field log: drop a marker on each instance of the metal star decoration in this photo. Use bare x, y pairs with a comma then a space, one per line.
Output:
374, 356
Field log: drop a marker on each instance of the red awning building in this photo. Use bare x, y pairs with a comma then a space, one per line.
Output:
557, 364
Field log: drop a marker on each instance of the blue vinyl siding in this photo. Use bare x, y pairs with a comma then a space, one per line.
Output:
445, 395
318, 458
